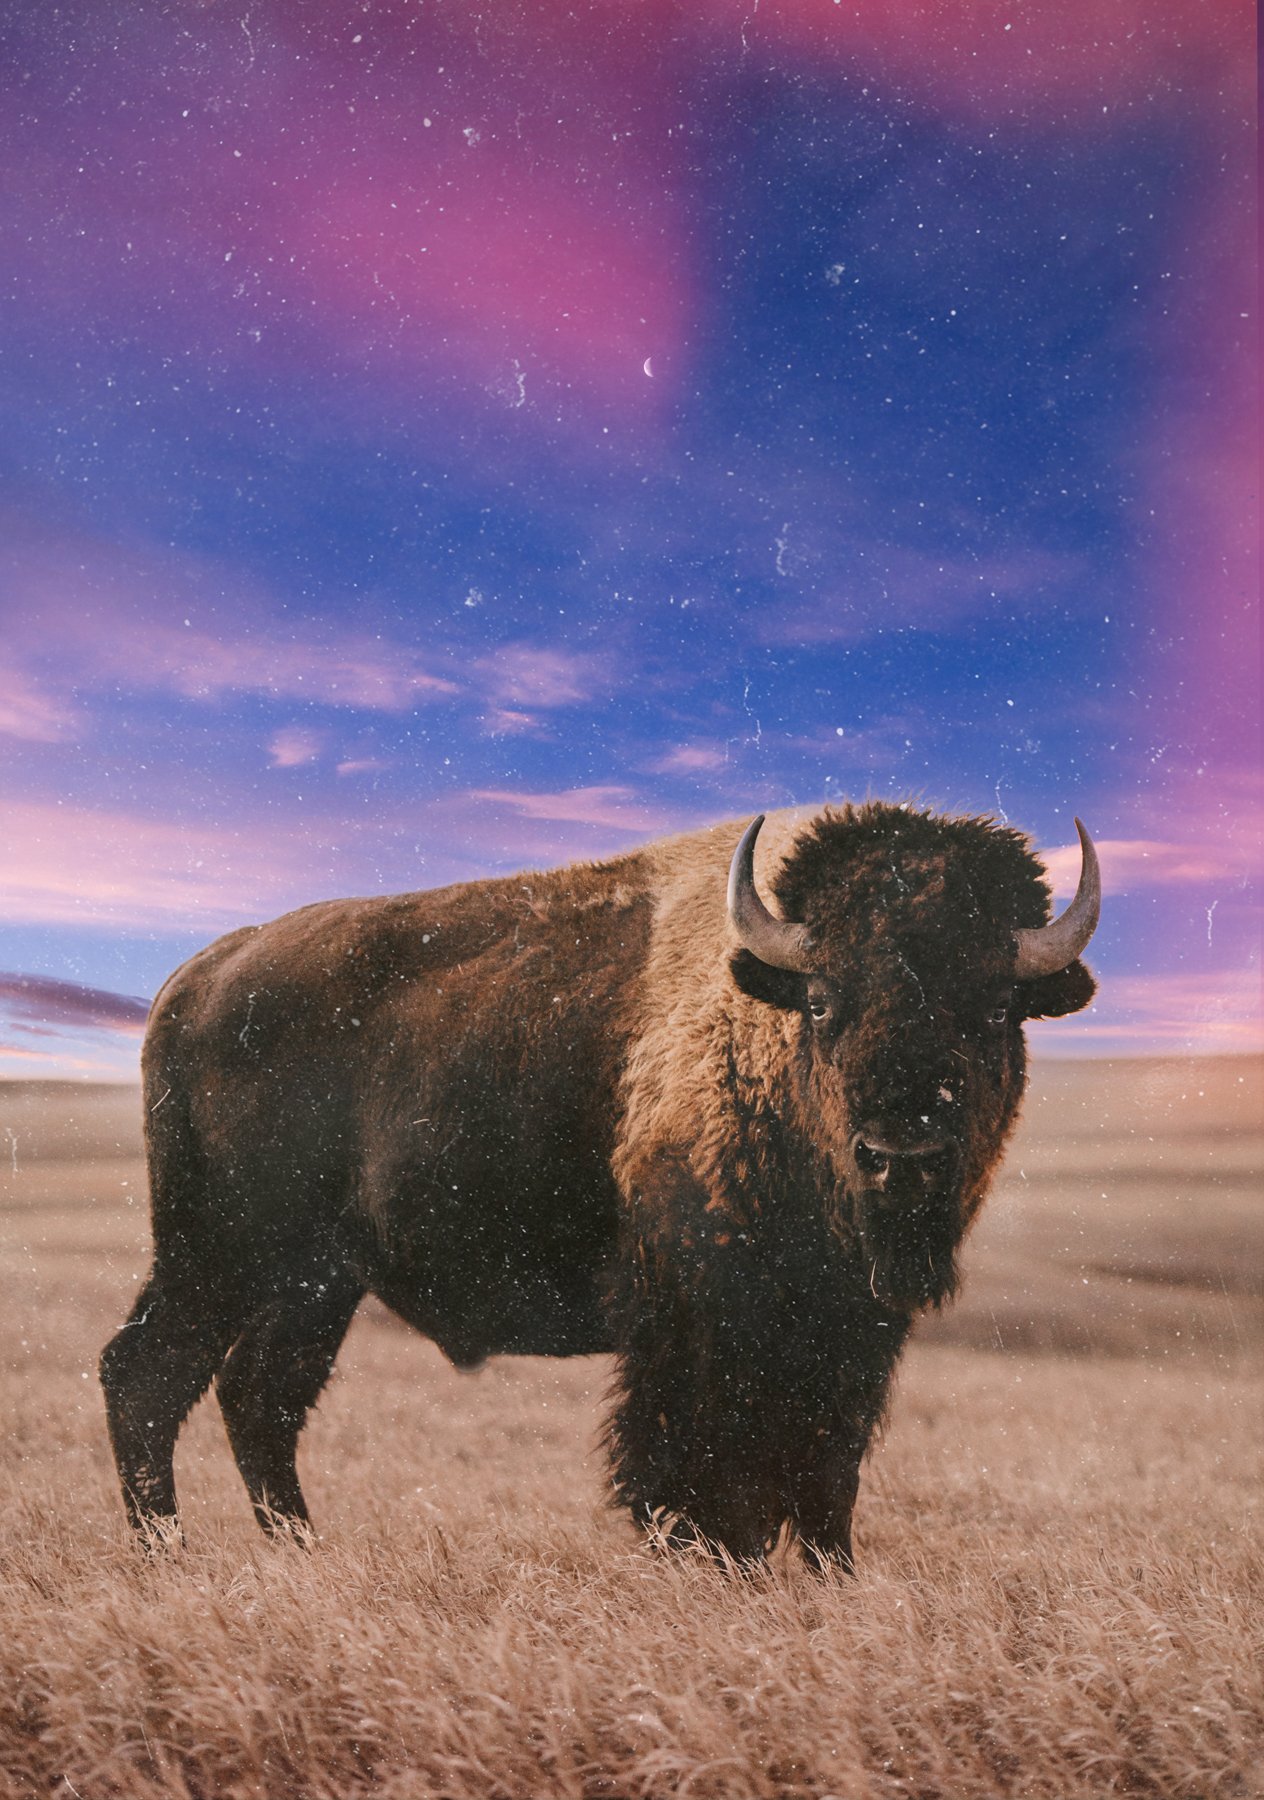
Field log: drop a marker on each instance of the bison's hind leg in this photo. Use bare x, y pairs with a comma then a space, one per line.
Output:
153, 1370
272, 1377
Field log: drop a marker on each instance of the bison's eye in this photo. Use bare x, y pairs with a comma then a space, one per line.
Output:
824, 1006
998, 1016
821, 1006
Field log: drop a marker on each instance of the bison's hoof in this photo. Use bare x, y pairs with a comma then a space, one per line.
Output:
158, 1534
824, 1559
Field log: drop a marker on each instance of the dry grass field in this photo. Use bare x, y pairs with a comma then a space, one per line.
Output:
1059, 1575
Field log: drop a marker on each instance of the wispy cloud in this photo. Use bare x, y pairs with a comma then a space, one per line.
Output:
113, 869
1210, 830
60, 1064
696, 758
79, 865
46, 1003
361, 765
1131, 863
28, 711
117, 870
294, 746
612, 807
1215, 1010
506, 721
89, 614
535, 675
368, 676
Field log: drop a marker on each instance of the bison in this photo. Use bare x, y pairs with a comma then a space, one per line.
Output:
600, 1109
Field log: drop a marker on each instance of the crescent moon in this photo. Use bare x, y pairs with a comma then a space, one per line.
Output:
646, 366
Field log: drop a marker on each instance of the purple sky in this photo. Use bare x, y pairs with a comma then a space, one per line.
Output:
441, 438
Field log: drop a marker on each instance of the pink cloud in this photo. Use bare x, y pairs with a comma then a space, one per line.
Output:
526, 675
134, 617
1131, 863
613, 807
341, 673
361, 765
1211, 1011
122, 1066
293, 747
691, 759
70, 864
476, 833
1210, 829
28, 712
504, 721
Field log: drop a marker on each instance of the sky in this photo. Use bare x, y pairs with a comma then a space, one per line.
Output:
440, 437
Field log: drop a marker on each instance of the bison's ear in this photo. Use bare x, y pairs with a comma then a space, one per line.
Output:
775, 987
1052, 996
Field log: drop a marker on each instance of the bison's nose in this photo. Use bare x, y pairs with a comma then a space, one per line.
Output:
901, 1168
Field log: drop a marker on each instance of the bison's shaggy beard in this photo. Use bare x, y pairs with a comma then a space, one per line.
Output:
910, 1248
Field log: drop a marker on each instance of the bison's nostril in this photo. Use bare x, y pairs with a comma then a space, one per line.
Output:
888, 1167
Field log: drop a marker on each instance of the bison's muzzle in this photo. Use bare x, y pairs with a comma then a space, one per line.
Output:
908, 1216
910, 1171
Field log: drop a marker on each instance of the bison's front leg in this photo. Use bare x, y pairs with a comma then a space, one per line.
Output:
825, 1498
693, 1433
824, 1486
688, 1494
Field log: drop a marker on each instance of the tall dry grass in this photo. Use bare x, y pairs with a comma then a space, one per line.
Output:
1058, 1591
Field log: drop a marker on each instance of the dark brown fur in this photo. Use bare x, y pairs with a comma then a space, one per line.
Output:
563, 1113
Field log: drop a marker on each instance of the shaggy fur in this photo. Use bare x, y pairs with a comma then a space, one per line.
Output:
563, 1113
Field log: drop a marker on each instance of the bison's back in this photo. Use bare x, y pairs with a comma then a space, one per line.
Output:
424, 1085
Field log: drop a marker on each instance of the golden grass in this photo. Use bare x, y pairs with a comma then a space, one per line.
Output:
1058, 1582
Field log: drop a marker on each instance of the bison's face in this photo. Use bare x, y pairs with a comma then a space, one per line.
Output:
910, 1082
917, 950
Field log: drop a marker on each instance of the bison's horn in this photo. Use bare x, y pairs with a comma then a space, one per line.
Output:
1051, 947
773, 941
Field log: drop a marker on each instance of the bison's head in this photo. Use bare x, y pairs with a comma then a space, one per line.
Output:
910, 951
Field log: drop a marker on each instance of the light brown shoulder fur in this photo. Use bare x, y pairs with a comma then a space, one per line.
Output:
702, 1050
